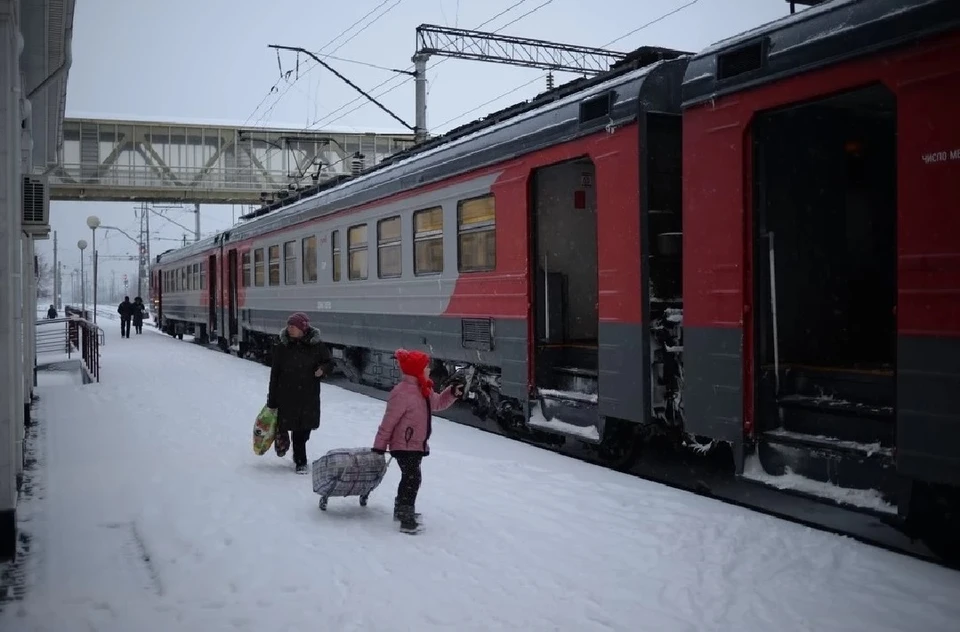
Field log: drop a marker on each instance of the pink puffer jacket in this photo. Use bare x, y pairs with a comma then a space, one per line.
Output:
407, 423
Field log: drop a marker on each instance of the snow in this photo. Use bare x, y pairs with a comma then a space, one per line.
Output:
574, 395
537, 419
150, 512
863, 498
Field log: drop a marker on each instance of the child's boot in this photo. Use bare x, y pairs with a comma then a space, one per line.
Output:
408, 520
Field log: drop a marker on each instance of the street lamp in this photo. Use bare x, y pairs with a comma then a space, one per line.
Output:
94, 222
82, 245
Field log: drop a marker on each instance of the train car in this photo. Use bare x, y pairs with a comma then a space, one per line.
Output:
750, 247
489, 251
821, 312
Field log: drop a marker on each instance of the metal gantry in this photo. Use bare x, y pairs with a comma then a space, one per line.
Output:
515, 51
115, 160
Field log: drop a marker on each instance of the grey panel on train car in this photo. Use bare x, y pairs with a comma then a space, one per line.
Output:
554, 123
814, 38
713, 382
441, 337
928, 408
621, 364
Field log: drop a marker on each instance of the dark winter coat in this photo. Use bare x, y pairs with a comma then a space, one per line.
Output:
139, 311
125, 310
294, 389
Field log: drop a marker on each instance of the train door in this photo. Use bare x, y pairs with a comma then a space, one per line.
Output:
565, 299
212, 286
158, 303
826, 267
232, 295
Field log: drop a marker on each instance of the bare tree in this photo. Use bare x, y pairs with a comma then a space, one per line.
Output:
44, 277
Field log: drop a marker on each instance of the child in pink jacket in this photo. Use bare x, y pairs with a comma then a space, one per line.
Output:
406, 428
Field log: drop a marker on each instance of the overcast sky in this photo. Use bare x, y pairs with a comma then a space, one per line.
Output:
201, 60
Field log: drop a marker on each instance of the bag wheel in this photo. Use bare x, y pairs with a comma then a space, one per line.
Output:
323, 504
363, 501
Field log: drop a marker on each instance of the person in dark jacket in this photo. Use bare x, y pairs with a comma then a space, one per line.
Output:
125, 310
300, 359
52, 312
139, 312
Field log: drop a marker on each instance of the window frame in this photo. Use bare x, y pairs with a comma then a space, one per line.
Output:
261, 265
289, 262
246, 269
304, 259
336, 260
427, 236
392, 243
271, 262
365, 249
488, 226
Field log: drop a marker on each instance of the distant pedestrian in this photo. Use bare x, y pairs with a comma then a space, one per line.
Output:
52, 312
126, 314
139, 312
300, 359
406, 427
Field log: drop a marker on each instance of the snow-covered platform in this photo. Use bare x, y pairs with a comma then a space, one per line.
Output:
147, 510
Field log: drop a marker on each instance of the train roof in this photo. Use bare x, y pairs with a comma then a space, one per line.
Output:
553, 117
190, 250
823, 35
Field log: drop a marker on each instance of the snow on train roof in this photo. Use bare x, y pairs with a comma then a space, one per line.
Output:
574, 97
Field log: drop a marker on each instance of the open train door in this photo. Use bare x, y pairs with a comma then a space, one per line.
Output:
233, 330
565, 300
212, 285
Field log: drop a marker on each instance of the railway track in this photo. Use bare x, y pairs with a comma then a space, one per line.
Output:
680, 471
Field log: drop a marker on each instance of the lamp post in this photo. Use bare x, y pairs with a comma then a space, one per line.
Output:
94, 222
82, 245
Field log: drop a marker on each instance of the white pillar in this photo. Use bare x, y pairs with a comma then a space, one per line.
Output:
11, 364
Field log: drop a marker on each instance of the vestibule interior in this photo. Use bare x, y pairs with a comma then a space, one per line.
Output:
564, 250
825, 201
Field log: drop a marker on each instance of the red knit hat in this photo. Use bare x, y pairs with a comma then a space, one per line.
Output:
413, 363
299, 320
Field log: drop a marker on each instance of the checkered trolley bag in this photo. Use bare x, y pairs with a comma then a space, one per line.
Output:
348, 472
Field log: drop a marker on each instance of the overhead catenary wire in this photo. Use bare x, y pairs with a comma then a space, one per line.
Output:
339, 46
275, 86
386, 81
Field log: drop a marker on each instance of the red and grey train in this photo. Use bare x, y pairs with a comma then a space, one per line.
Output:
757, 245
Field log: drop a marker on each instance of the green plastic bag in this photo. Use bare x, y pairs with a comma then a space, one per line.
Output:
264, 431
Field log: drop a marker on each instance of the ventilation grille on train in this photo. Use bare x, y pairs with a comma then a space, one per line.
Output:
477, 333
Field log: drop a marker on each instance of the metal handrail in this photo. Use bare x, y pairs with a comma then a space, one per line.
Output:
78, 335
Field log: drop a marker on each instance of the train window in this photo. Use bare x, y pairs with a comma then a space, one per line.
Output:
245, 259
258, 267
428, 241
357, 252
195, 280
476, 234
184, 286
389, 260
273, 265
290, 263
335, 253
203, 275
308, 252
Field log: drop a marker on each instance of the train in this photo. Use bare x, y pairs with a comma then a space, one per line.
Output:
752, 248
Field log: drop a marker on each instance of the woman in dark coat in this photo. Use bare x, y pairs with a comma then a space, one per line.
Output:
300, 359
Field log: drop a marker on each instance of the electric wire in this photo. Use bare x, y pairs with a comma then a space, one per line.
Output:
274, 87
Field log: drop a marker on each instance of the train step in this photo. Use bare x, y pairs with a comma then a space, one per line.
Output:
567, 413
847, 465
840, 419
